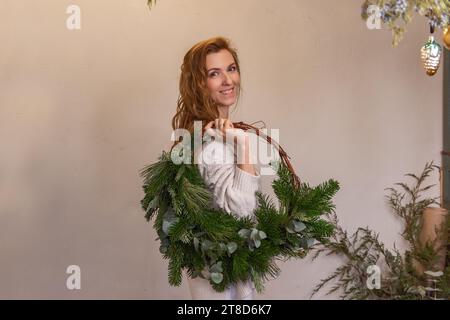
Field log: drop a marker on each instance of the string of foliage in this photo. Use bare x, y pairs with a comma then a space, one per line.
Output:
397, 14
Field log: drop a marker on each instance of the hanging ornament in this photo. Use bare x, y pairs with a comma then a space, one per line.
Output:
431, 56
446, 37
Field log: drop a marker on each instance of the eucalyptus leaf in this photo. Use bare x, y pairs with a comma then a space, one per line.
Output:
166, 226
304, 243
298, 226
434, 274
206, 245
153, 204
169, 219
310, 242
196, 243
217, 267
169, 214
288, 229
232, 246
254, 233
216, 277
244, 233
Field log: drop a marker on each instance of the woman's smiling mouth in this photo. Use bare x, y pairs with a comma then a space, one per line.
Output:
227, 92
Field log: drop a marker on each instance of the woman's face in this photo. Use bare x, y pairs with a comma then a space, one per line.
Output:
223, 78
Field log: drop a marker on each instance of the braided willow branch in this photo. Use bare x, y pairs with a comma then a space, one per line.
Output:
284, 156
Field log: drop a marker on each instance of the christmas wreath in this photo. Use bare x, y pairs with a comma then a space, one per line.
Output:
225, 248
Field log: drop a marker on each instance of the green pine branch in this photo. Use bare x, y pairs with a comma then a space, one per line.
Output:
223, 247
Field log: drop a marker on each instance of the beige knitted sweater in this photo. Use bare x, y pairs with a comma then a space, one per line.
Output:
233, 191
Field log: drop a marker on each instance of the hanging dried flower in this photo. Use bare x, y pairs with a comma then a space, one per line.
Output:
396, 14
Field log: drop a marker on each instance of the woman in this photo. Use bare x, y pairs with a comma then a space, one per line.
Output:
209, 86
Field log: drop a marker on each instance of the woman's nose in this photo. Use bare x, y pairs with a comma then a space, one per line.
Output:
227, 79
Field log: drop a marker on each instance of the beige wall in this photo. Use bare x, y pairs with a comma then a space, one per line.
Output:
81, 112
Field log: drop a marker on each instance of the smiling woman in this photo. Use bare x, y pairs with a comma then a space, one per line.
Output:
209, 86
212, 220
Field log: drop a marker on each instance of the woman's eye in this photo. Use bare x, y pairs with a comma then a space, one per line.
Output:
215, 73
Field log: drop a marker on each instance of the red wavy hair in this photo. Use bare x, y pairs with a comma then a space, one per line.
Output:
195, 102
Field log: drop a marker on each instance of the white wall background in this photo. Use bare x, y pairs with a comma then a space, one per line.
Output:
81, 112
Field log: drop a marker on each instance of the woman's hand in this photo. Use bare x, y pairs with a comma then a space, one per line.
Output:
225, 128
220, 125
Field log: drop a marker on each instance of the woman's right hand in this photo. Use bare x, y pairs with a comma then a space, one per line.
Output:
225, 128
220, 124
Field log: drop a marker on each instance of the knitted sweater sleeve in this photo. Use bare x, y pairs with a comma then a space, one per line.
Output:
233, 188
